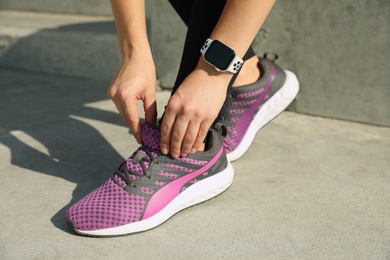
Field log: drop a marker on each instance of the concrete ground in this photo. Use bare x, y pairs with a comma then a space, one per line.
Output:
308, 188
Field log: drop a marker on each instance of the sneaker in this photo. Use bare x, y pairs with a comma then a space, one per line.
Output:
149, 188
248, 108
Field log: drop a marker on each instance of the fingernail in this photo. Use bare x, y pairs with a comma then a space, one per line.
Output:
193, 150
164, 150
175, 156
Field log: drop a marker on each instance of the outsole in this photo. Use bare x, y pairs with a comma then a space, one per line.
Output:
271, 109
197, 193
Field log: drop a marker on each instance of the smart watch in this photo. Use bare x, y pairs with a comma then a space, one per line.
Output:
221, 56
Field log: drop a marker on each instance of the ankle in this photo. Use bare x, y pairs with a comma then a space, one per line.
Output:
249, 73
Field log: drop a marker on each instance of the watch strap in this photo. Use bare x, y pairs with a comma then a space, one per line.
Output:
205, 46
235, 65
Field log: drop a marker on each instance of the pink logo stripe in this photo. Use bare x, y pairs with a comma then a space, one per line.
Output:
170, 191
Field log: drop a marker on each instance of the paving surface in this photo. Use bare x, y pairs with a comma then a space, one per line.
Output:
308, 188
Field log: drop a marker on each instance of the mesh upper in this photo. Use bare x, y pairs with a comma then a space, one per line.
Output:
112, 205
243, 103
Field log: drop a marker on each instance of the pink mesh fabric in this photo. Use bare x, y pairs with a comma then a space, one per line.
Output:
250, 94
150, 136
107, 206
238, 106
239, 112
113, 205
133, 167
169, 175
110, 205
192, 161
151, 139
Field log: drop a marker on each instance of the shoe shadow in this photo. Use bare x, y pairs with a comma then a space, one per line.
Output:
41, 108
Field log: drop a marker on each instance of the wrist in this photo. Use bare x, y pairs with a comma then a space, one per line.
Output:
208, 70
139, 57
133, 50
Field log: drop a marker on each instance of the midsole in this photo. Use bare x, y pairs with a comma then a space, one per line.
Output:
196, 193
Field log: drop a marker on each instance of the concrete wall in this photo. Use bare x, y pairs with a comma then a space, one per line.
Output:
72, 45
340, 51
88, 7
85, 7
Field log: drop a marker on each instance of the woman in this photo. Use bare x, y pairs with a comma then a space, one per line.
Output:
185, 161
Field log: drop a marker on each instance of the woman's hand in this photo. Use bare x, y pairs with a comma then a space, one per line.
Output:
192, 109
134, 81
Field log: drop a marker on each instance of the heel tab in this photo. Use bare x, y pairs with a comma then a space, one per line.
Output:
221, 129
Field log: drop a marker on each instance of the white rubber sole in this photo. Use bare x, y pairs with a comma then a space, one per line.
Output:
272, 108
195, 194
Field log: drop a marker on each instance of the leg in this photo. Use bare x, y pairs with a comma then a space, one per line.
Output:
200, 16
183, 9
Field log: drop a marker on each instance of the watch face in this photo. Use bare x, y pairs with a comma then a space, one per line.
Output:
219, 55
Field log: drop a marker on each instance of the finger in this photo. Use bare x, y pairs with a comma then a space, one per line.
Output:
113, 95
119, 107
131, 112
117, 98
150, 109
166, 128
201, 136
179, 130
190, 138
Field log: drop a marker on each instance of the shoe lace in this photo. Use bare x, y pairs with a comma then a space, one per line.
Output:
137, 158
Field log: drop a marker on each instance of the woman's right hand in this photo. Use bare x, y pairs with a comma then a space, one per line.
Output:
134, 81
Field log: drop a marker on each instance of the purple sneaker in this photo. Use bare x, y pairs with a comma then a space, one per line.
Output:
149, 188
248, 108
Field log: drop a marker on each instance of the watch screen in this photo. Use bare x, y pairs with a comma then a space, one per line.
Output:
219, 55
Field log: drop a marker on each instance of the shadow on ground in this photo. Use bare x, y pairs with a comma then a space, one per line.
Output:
39, 107
44, 108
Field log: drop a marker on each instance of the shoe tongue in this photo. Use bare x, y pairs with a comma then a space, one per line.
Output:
150, 136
